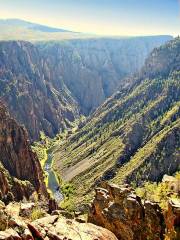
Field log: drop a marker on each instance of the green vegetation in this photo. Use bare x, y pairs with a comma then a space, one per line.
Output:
41, 148
158, 192
68, 191
133, 137
44, 148
37, 213
154, 153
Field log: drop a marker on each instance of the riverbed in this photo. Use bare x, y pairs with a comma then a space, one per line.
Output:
53, 184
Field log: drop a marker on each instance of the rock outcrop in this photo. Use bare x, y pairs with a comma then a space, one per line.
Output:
20, 169
116, 213
122, 212
172, 218
53, 227
129, 217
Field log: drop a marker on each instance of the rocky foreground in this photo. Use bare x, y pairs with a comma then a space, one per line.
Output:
121, 211
15, 224
116, 213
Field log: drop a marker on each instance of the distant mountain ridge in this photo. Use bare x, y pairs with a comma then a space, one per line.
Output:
17, 29
30, 25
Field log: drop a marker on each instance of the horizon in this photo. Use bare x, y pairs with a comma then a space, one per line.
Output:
93, 34
130, 18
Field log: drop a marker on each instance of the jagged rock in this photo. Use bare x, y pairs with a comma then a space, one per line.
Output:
65, 214
133, 137
4, 182
9, 234
2, 205
26, 209
173, 183
53, 205
3, 220
45, 85
35, 233
172, 218
20, 170
15, 222
93, 69
122, 212
20, 227
58, 227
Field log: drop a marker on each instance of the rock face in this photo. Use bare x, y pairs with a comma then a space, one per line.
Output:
49, 227
172, 218
124, 213
26, 85
46, 85
114, 211
93, 69
20, 170
61, 228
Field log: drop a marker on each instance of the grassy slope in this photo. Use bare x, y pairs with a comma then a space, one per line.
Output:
134, 136
127, 132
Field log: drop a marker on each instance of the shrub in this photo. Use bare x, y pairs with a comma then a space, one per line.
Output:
37, 213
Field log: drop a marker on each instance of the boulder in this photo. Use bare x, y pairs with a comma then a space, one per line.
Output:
60, 228
9, 234
26, 209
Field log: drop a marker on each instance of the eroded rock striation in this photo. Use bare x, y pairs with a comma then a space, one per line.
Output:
20, 169
47, 85
172, 218
129, 217
122, 212
93, 69
26, 85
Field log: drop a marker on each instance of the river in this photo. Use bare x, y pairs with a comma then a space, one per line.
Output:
53, 184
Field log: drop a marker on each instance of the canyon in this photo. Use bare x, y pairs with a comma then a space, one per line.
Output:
133, 137
48, 85
89, 114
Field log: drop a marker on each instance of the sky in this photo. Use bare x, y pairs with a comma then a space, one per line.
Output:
103, 17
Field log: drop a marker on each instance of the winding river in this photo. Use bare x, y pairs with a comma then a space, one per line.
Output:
53, 184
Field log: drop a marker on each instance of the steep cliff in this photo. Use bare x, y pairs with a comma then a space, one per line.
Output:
93, 69
135, 135
20, 170
26, 86
47, 85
